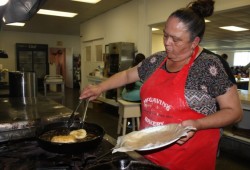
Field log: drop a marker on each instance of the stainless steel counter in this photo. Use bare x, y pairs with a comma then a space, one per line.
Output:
19, 116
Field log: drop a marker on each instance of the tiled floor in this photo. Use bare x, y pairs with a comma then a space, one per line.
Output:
106, 116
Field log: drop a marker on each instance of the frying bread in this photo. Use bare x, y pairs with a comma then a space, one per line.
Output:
63, 139
78, 134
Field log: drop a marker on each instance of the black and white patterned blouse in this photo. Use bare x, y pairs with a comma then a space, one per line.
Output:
208, 77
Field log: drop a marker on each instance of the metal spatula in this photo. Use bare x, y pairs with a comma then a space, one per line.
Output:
72, 116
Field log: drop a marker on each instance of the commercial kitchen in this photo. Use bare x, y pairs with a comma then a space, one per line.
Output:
49, 91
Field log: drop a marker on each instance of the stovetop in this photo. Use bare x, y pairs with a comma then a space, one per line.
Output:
19, 149
26, 154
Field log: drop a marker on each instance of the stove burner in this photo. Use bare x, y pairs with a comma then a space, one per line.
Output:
26, 154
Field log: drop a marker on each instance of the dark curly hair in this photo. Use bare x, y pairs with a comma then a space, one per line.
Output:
194, 16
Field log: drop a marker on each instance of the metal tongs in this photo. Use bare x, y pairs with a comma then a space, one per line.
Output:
84, 113
72, 116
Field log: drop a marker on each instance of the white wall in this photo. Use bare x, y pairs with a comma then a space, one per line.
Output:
120, 24
230, 54
89, 66
157, 44
9, 39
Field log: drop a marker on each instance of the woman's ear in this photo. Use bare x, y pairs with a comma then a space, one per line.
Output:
195, 42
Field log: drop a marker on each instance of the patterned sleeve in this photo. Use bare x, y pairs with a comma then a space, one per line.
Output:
210, 74
228, 70
149, 65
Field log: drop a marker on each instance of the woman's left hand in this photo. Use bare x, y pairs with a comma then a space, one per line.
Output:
190, 134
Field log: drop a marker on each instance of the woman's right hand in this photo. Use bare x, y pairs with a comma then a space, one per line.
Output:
91, 91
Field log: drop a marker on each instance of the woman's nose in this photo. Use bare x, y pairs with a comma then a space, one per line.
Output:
166, 40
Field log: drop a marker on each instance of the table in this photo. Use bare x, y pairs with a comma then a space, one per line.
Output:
242, 83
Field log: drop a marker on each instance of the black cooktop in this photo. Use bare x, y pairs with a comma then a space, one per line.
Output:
27, 155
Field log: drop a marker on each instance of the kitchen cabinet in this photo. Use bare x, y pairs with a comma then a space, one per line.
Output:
33, 58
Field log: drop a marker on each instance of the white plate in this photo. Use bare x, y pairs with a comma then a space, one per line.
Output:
151, 138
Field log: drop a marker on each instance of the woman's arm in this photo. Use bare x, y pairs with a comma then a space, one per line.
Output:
230, 112
115, 81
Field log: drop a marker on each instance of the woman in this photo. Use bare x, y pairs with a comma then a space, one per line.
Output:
184, 84
131, 92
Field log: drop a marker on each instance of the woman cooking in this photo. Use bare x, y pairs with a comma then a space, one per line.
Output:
185, 84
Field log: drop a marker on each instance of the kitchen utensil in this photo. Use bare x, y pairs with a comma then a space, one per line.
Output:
72, 116
85, 112
151, 138
45, 133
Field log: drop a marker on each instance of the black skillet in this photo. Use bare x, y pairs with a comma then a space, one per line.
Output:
45, 133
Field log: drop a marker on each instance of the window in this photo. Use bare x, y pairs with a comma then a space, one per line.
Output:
98, 52
88, 53
241, 58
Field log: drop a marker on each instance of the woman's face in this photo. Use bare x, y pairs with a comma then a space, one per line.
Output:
177, 40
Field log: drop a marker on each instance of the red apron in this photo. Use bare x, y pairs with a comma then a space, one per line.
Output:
163, 101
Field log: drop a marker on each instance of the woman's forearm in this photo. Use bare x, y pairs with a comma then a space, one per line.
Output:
115, 81
220, 119
230, 111
119, 79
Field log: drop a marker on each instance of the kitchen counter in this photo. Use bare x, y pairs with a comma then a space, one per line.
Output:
19, 116
244, 96
235, 138
242, 83
30, 109
242, 80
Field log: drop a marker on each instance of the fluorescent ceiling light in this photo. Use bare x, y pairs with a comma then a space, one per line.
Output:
3, 2
155, 29
227, 40
56, 13
19, 24
234, 28
88, 1
225, 46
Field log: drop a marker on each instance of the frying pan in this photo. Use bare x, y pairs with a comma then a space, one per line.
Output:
44, 133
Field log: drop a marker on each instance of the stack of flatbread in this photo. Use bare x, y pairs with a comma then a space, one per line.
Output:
151, 138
